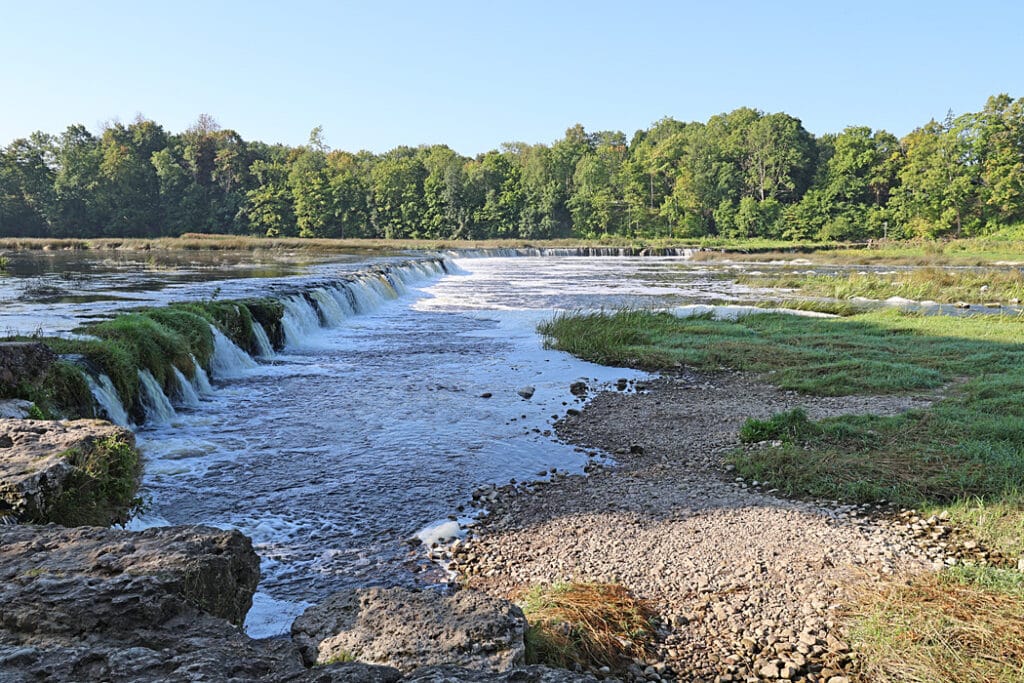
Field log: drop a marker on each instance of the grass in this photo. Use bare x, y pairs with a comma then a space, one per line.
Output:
962, 625
101, 490
965, 451
60, 391
587, 625
922, 284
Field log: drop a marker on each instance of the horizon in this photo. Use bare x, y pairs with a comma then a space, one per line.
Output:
474, 78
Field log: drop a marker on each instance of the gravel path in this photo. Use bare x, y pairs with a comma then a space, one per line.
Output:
748, 583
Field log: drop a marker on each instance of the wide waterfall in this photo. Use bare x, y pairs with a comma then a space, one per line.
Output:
187, 395
264, 348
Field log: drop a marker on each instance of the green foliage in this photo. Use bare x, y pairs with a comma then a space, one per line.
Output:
149, 344
742, 173
268, 313
232, 318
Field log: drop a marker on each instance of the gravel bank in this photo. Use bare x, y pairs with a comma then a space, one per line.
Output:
748, 583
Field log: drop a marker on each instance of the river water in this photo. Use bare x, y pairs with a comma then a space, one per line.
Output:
376, 423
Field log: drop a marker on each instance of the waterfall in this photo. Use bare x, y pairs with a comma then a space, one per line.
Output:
300, 319
200, 380
266, 349
344, 299
228, 360
187, 395
106, 396
157, 407
330, 310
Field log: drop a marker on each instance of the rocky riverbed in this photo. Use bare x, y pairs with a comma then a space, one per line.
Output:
750, 585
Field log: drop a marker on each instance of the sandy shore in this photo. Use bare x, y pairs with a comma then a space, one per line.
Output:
749, 584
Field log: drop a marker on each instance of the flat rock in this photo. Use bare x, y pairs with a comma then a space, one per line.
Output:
88, 580
42, 460
410, 629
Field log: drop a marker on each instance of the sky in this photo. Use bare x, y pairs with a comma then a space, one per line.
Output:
474, 75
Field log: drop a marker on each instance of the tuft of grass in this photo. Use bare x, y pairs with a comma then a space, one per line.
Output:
962, 625
786, 427
589, 625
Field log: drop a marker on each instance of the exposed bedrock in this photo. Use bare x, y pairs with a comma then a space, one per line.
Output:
409, 629
78, 472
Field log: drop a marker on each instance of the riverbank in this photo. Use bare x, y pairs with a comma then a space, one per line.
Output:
767, 509
748, 582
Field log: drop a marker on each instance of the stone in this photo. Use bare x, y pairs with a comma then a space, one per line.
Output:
44, 461
92, 603
409, 629
526, 392
15, 409
578, 388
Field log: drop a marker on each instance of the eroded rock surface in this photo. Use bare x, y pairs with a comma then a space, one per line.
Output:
42, 462
529, 674
409, 629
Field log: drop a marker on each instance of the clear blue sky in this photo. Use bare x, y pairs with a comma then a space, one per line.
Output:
476, 74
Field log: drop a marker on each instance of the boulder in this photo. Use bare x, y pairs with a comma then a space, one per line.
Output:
409, 629
78, 472
162, 604
526, 392
87, 581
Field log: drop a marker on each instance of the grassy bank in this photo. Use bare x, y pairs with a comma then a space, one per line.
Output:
924, 284
964, 454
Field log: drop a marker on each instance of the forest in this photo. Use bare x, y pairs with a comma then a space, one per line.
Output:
740, 174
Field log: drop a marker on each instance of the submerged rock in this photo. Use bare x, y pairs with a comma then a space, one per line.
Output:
526, 392
409, 629
78, 472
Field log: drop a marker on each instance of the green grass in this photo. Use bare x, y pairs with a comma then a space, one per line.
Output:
966, 450
922, 284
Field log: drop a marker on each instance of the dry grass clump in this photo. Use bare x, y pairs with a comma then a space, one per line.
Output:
964, 625
589, 625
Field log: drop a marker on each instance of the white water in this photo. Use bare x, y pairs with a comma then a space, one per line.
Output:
228, 360
187, 394
266, 349
200, 380
158, 408
102, 389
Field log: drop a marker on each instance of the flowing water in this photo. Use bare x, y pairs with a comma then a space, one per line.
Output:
395, 397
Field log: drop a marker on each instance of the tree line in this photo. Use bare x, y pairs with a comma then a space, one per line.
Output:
741, 174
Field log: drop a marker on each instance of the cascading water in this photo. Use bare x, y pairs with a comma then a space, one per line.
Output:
266, 349
228, 360
187, 395
329, 308
102, 389
155, 403
200, 380
300, 320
